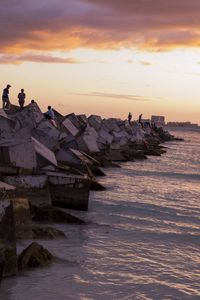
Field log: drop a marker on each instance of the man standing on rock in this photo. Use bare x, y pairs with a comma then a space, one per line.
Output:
21, 98
5, 97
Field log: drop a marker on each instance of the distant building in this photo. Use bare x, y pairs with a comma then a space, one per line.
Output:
182, 124
158, 120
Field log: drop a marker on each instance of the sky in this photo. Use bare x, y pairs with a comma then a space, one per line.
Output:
104, 57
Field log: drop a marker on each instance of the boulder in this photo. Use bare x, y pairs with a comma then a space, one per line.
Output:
34, 256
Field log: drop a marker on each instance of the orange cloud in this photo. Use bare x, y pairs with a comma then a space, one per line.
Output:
101, 24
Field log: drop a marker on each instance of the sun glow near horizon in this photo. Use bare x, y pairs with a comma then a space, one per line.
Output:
111, 83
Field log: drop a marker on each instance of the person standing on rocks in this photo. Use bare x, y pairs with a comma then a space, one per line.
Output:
21, 98
5, 97
129, 117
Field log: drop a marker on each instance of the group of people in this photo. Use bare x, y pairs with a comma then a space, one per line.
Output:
6, 100
49, 115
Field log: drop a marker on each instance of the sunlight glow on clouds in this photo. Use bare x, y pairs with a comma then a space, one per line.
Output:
76, 53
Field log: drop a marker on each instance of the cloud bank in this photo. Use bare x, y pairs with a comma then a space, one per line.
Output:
29, 25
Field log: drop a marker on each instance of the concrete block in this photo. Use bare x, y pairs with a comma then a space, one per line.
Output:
30, 116
95, 122
46, 156
75, 120
69, 191
19, 153
33, 187
47, 134
106, 136
69, 126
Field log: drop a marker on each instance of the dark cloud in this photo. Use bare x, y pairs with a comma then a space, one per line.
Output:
105, 24
113, 96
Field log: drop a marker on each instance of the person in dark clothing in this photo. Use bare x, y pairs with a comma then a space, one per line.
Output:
140, 121
129, 117
21, 98
5, 97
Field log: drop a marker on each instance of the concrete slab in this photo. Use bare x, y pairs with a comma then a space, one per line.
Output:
69, 126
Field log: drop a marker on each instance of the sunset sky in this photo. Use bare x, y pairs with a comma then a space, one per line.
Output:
104, 57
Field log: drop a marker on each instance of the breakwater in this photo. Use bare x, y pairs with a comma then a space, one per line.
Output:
43, 167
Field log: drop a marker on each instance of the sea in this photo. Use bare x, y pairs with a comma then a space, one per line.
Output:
141, 240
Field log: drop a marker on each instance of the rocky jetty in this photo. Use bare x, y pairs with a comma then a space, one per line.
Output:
43, 166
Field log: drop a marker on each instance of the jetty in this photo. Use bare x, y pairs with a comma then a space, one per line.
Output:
45, 168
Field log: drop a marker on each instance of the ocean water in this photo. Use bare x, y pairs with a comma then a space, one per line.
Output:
142, 240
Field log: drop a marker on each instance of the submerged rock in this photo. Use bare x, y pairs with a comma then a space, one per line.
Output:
46, 233
54, 214
34, 256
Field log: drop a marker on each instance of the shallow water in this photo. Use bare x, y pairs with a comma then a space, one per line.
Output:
142, 240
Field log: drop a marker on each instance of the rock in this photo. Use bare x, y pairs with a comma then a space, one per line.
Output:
45, 156
69, 191
47, 134
22, 216
34, 187
46, 233
29, 117
95, 122
7, 238
34, 256
19, 153
54, 214
96, 186
69, 127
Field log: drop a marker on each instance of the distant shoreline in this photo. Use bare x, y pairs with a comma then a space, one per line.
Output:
179, 128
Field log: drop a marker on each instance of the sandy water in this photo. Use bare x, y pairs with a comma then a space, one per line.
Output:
142, 240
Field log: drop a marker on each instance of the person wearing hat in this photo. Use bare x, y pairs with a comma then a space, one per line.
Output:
5, 97
21, 98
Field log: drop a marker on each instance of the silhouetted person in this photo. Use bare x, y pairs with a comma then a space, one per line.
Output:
5, 97
21, 98
140, 121
32, 101
49, 115
129, 117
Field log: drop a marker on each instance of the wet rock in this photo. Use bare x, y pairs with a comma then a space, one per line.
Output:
69, 191
54, 214
34, 187
23, 221
47, 233
7, 238
34, 256
96, 186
